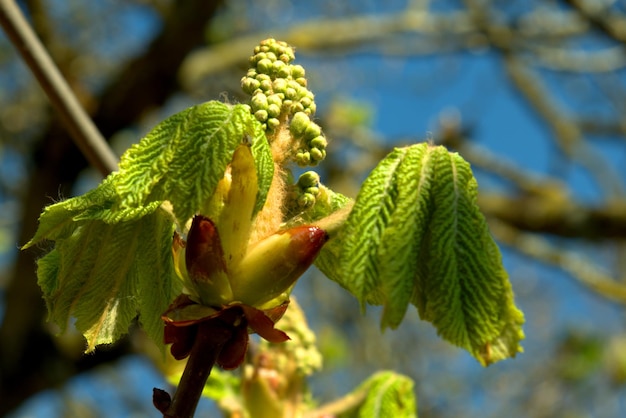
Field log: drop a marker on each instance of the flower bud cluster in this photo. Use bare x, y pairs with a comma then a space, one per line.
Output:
301, 355
309, 134
308, 189
279, 93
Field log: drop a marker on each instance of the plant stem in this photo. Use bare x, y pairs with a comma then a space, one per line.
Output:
210, 338
78, 123
341, 405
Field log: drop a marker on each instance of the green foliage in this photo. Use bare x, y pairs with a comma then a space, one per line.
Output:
416, 235
384, 395
184, 157
112, 257
104, 274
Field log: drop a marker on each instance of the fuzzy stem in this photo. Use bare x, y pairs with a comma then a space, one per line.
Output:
83, 131
210, 340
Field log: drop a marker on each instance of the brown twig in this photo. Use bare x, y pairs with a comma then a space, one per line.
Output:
83, 131
209, 341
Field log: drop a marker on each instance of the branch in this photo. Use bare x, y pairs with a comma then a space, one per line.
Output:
77, 122
557, 214
567, 134
583, 270
610, 23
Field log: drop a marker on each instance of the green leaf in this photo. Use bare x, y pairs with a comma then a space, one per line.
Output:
105, 274
416, 235
385, 395
184, 157
58, 220
112, 257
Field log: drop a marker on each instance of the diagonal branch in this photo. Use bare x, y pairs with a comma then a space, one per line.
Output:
77, 122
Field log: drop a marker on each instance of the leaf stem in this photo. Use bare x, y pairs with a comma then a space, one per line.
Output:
339, 406
78, 123
210, 339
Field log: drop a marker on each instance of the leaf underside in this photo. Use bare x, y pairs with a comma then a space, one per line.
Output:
112, 257
416, 236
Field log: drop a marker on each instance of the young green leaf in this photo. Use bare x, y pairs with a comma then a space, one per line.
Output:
113, 246
105, 274
184, 157
416, 235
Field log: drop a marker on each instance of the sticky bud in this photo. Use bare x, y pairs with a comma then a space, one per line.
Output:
206, 266
274, 264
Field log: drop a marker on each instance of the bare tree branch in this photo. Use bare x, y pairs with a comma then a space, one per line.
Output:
608, 22
77, 122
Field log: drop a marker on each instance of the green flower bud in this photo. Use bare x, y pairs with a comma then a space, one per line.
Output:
249, 85
279, 85
311, 109
259, 101
312, 131
261, 115
297, 71
263, 77
290, 93
257, 49
306, 101
293, 85
285, 58
266, 85
306, 200
313, 191
251, 73
318, 142
282, 71
308, 179
303, 158
301, 81
273, 123
271, 56
273, 111
275, 99
298, 124
296, 107
316, 154
287, 104
264, 66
